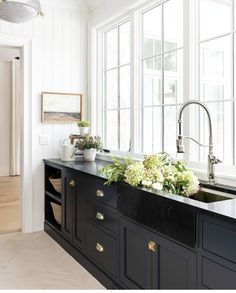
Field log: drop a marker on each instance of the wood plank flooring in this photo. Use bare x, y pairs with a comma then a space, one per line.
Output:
9, 204
36, 261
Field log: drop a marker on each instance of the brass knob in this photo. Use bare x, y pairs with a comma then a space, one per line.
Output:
99, 193
99, 216
72, 183
99, 247
152, 246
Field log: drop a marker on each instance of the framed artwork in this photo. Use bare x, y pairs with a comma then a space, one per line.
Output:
61, 107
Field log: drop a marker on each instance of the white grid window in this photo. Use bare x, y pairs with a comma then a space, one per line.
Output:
216, 54
162, 76
116, 85
153, 62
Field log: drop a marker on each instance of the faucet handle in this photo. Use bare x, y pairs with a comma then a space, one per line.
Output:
179, 144
214, 160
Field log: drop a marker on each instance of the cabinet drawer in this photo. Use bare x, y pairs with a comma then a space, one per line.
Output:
216, 276
219, 238
102, 248
105, 194
102, 216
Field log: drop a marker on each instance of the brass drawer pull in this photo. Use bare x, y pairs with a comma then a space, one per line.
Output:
72, 183
100, 216
99, 247
99, 193
152, 246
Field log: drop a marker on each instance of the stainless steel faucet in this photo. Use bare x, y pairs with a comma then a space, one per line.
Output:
212, 160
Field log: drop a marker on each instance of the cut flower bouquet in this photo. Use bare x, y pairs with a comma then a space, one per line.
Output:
158, 171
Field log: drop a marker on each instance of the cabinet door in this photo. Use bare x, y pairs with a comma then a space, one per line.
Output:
135, 257
79, 212
69, 187
174, 266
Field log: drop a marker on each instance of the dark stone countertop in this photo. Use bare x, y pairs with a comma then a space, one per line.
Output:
226, 208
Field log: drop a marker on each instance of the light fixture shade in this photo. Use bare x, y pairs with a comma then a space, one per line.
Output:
18, 11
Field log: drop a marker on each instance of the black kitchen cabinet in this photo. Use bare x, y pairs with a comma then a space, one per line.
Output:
174, 265
217, 255
149, 261
73, 207
135, 257
128, 238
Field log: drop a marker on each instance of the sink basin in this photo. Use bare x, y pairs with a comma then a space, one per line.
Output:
209, 196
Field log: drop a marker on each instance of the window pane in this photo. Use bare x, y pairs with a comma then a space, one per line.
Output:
215, 18
215, 71
212, 92
147, 90
151, 90
173, 24
170, 91
125, 87
173, 82
152, 32
112, 48
112, 130
112, 89
147, 130
157, 130
124, 130
221, 115
125, 43
170, 126
194, 132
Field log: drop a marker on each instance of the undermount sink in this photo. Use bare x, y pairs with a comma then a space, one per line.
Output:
210, 195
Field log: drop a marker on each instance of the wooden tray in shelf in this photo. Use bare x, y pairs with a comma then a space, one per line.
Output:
56, 208
55, 180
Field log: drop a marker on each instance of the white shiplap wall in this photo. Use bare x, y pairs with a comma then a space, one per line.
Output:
59, 63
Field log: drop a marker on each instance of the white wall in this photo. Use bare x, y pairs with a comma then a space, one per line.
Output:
8, 54
5, 104
59, 63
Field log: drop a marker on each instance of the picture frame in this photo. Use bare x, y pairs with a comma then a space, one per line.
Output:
61, 107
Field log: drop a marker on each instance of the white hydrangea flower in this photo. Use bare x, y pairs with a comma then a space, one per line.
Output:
147, 183
134, 173
157, 186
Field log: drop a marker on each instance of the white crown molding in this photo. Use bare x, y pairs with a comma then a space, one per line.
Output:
66, 4
110, 10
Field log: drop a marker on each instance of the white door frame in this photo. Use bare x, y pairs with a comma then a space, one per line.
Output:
25, 45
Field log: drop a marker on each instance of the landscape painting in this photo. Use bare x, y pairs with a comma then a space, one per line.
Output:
61, 107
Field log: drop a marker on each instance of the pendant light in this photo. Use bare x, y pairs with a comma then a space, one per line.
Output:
18, 11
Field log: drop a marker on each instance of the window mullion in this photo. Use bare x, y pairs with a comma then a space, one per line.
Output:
233, 83
118, 73
162, 78
104, 116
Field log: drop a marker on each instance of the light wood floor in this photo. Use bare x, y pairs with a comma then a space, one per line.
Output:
9, 204
36, 261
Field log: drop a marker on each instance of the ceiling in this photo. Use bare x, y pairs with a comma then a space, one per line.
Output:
93, 4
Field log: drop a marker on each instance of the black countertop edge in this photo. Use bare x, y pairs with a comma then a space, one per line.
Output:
225, 208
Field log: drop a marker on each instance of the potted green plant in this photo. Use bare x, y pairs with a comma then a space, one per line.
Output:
89, 146
83, 127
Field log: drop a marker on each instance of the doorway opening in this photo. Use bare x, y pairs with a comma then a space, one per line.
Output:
10, 133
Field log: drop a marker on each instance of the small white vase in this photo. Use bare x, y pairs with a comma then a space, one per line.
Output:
90, 155
83, 130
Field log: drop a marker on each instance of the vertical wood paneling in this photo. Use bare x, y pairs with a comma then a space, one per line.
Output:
58, 45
